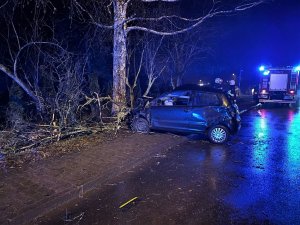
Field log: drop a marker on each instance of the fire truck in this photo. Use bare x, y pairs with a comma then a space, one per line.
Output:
278, 85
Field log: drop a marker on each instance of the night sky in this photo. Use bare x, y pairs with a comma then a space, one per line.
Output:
268, 34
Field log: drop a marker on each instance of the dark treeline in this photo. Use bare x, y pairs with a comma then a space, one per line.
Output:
60, 56
67, 63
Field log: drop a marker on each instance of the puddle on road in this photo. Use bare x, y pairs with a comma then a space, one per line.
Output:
254, 180
271, 187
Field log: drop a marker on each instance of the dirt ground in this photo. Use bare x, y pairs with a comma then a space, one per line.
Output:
58, 149
75, 144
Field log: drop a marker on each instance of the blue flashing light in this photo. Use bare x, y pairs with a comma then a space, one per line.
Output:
266, 73
261, 68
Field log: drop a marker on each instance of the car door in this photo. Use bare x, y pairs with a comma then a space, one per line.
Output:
174, 114
205, 110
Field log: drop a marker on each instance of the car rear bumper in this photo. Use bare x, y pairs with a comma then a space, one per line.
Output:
276, 101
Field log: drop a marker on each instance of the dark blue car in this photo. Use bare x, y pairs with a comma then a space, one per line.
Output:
191, 109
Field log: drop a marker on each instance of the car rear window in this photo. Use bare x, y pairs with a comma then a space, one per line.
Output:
206, 99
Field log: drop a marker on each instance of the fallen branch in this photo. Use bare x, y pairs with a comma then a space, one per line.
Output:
49, 139
252, 107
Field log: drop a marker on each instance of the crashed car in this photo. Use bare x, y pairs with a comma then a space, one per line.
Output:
191, 109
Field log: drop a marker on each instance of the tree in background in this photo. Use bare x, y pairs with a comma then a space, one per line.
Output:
156, 61
128, 16
123, 17
51, 76
183, 51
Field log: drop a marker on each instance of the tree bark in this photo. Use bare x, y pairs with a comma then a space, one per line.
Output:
119, 56
132, 98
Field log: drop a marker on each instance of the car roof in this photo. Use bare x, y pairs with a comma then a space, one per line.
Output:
195, 87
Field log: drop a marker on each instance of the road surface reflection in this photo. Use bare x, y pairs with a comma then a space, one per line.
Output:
254, 179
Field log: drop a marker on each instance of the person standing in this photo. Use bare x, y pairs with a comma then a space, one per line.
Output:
232, 89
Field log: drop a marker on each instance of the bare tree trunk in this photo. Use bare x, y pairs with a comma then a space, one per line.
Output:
119, 56
148, 89
179, 80
132, 97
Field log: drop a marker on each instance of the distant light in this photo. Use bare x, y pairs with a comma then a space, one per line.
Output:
218, 81
201, 83
267, 72
297, 69
264, 91
261, 68
292, 92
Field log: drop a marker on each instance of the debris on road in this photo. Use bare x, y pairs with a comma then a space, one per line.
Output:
252, 107
128, 202
70, 218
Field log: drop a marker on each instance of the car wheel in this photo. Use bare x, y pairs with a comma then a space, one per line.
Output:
140, 125
218, 134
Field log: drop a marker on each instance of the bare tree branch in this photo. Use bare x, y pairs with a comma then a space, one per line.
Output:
161, 18
135, 79
33, 43
153, 66
213, 12
4, 4
92, 18
20, 83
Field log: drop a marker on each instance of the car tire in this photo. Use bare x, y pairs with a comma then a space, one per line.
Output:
140, 125
218, 134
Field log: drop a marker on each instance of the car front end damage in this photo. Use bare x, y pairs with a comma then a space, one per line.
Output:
192, 110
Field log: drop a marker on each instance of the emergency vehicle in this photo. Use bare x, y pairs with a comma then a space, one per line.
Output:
278, 85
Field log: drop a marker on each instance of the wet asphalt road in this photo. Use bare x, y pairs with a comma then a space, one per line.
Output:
254, 179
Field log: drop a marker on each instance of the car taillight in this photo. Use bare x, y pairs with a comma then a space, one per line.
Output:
292, 92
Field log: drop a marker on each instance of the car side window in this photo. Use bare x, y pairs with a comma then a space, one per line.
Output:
181, 100
206, 99
176, 98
